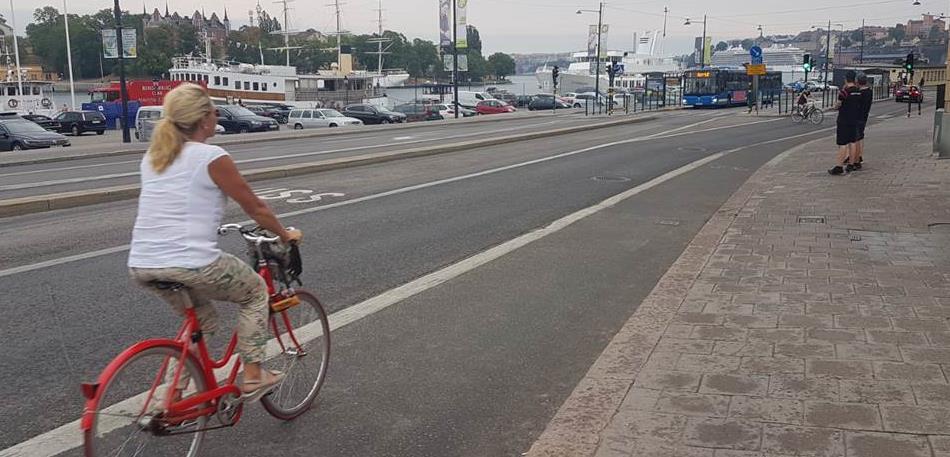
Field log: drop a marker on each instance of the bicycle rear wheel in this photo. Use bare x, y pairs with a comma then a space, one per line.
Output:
129, 419
797, 116
816, 116
303, 360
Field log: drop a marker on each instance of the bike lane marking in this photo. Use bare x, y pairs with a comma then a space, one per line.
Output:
69, 436
122, 248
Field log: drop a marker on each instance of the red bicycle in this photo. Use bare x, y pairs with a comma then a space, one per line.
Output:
160, 396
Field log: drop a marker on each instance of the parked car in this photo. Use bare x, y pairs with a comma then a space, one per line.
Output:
494, 107
910, 94
505, 96
448, 112
238, 119
282, 109
469, 99
43, 121
372, 114
17, 134
268, 111
549, 102
146, 119
79, 122
589, 98
523, 101
416, 112
819, 86
319, 118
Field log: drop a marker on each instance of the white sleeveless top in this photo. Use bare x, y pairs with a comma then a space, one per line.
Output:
180, 210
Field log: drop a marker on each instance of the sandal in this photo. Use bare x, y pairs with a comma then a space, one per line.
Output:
260, 387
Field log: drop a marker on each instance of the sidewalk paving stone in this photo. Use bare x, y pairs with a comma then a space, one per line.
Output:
777, 334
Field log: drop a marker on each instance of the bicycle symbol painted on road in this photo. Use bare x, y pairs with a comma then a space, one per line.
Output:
295, 195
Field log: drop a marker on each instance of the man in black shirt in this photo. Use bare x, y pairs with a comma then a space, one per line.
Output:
850, 112
867, 98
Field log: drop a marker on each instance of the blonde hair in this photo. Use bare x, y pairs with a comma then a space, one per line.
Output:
185, 107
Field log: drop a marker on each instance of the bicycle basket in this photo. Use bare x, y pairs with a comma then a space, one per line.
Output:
285, 257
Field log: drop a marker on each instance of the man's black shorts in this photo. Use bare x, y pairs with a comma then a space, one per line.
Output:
860, 133
847, 134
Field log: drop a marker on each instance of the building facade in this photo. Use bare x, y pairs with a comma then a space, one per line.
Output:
211, 27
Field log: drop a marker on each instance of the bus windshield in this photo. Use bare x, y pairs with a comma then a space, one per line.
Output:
701, 83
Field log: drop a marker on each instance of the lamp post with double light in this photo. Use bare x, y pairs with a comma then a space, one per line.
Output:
600, 29
702, 49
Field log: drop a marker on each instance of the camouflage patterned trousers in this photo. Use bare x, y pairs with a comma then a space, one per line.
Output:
226, 279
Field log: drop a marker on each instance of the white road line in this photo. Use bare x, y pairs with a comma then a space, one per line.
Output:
55, 182
68, 436
113, 250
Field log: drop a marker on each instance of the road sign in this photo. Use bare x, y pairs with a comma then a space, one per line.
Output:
756, 53
755, 69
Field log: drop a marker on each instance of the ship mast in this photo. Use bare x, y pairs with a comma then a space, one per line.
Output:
380, 40
286, 32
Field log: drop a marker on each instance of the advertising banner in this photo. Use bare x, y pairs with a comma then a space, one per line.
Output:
445, 23
110, 44
461, 21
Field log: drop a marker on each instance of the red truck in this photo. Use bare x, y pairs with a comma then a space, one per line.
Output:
146, 92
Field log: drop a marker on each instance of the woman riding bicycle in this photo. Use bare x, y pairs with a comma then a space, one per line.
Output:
185, 187
803, 99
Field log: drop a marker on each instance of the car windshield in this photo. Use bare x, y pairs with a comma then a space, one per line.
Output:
331, 113
240, 111
23, 127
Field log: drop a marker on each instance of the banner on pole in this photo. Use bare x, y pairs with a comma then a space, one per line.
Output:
129, 48
461, 21
445, 23
592, 40
603, 40
110, 44
707, 52
447, 62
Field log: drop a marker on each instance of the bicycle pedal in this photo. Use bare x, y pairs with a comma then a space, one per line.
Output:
285, 304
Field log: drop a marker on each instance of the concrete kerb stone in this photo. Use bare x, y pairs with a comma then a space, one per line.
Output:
266, 137
629, 351
41, 203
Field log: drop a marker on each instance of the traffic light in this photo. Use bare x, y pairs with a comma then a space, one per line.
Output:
555, 73
806, 62
909, 63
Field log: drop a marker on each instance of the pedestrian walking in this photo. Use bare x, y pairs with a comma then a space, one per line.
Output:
850, 112
867, 99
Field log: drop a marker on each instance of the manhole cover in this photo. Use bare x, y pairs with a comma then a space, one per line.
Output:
939, 227
611, 178
811, 219
691, 149
671, 223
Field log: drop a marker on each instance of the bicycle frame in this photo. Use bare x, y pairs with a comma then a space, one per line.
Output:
190, 334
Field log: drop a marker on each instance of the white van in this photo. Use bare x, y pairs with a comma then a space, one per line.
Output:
470, 99
150, 115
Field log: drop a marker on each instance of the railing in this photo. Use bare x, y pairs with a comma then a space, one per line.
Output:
633, 103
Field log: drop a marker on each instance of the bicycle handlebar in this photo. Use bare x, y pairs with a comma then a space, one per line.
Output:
248, 234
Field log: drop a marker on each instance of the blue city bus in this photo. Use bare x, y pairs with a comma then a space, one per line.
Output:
715, 87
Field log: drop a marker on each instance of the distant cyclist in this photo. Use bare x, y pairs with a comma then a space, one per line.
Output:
185, 187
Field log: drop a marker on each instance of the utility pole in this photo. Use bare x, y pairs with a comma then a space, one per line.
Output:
600, 30
827, 53
339, 33
123, 92
861, 58
16, 50
455, 58
69, 59
702, 51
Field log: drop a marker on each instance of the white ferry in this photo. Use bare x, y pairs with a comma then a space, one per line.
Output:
35, 99
581, 74
784, 59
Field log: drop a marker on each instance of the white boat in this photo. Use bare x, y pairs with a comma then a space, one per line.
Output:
35, 99
581, 74
786, 59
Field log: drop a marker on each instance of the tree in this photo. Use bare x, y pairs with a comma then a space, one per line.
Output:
722, 46
897, 33
474, 39
846, 42
936, 34
747, 43
857, 35
501, 64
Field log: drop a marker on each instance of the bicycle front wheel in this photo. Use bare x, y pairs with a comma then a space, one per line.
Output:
303, 334
130, 418
816, 116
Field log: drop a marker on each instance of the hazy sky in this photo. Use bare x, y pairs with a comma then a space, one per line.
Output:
548, 25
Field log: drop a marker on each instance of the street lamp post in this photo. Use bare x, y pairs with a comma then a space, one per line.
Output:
16, 51
69, 59
702, 49
600, 29
126, 136
828, 47
455, 59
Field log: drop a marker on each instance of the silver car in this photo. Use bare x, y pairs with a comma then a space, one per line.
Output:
313, 118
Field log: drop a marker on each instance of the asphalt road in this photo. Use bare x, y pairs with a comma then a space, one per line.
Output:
79, 174
474, 366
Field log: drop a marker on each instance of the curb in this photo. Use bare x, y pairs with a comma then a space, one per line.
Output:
262, 138
41, 203
575, 430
